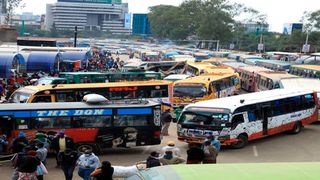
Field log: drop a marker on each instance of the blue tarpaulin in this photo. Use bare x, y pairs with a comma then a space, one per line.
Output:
74, 56
170, 54
7, 62
43, 61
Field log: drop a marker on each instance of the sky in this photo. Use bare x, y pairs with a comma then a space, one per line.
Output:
277, 11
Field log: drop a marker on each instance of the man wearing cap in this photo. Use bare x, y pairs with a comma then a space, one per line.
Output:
19, 143
171, 147
153, 160
60, 143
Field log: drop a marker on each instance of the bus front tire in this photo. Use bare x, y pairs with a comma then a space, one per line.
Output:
242, 141
296, 128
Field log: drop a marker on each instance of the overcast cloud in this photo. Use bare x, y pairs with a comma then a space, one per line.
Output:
278, 11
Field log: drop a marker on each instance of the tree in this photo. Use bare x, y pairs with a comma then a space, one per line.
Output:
11, 6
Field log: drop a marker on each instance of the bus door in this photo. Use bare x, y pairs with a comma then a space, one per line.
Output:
6, 126
266, 113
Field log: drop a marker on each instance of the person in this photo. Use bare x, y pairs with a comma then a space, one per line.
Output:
216, 143
43, 138
153, 160
19, 143
42, 155
104, 172
166, 119
168, 158
171, 147
68, 160
3, 144
210, 153
87, 162
60, 143
195, 154
27, 166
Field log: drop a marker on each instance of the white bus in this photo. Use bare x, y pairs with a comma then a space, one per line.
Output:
238, 119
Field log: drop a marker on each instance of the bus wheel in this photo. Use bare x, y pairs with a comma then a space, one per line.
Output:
242, 142
296, 128
82, 147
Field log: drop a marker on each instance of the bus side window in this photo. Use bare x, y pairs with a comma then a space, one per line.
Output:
40, 99
22, 124
236, 120
251, 116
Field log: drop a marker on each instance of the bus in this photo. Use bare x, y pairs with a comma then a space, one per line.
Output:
238, 119
248, 76
99, 77
91, 125
197, 68
204, 87
308, 71
301, 83
156, 90
267, 80
275, 65
201, 56
167, 67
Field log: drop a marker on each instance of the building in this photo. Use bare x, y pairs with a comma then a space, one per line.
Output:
28, 18
255, 28
288, 28
141, 24
3, 10
105, 15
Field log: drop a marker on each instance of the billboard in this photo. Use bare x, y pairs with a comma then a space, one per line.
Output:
127, 20
290, 27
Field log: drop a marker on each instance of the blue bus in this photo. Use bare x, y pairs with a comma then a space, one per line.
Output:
96, 126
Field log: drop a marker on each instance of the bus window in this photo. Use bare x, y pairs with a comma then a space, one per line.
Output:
22, 124
39, 99
130, 120
92, 121
50, 123
236, 120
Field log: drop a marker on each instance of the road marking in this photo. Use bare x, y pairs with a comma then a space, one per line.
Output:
146, 150
255, 151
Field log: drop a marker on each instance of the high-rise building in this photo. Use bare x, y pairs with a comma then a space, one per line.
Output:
141, 24
105, 15
3, 7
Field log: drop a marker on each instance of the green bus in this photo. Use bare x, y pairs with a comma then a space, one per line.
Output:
102, 77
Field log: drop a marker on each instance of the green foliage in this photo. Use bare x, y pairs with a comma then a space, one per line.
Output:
11, 6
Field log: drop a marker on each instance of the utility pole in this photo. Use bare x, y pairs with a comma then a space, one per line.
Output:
75, 36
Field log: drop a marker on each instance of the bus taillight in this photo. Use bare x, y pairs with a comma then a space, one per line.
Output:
157, 134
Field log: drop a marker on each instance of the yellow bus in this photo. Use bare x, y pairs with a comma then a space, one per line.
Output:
205, 87
197, 68
308, 71
156, 90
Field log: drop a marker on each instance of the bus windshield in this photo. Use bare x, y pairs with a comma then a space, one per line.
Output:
19, 97
204, 118
193, 90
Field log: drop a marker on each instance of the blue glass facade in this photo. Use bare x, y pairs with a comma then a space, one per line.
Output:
141, 24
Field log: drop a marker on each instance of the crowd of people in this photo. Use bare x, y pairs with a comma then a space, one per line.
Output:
30, 159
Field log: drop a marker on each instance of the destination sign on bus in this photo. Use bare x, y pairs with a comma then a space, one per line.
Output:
80, 112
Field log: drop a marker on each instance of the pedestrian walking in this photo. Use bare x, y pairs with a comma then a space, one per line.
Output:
153, 160
104, 172
27, 166
19, 143
87, 162
195, 154
210, 153
42, 155
171, 147
168, 158
60, 143
166, 119
43, 138
68, 160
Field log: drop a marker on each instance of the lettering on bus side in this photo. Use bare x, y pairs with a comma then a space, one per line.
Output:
79, 112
